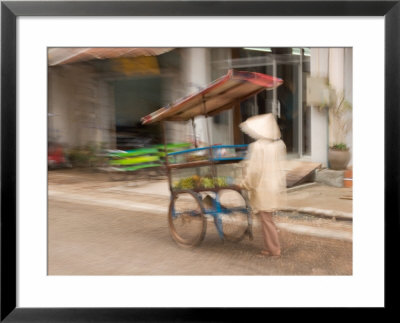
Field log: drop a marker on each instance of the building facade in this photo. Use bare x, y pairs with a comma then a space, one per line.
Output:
97, 101
308, 127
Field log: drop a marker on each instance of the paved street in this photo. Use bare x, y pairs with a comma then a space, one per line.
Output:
95, 229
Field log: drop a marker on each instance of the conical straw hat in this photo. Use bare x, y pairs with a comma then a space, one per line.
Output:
263, 126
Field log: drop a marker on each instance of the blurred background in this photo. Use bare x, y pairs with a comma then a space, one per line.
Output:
97, 97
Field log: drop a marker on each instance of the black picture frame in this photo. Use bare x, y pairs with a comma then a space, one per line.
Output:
10, 10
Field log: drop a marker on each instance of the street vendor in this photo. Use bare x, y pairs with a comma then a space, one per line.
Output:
264, 177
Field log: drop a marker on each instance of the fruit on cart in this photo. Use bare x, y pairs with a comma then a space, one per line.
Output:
220, 181
207, 182
196, 181
185, 183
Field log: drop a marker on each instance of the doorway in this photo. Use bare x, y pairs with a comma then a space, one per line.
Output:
287, 102
134, 98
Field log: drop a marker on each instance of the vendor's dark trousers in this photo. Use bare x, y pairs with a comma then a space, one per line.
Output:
270, 233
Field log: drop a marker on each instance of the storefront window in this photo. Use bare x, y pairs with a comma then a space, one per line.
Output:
306, 129
287, 102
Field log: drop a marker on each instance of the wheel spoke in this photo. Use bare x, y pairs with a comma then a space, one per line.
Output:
235, 217
186, 219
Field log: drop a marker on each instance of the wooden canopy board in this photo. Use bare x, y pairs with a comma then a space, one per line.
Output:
220, 95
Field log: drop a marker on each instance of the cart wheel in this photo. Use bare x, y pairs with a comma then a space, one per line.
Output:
235, 216
187, 223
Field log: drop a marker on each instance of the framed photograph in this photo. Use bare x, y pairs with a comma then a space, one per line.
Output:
150, 114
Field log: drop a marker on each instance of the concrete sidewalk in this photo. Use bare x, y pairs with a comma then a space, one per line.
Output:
312, 199
321, 200
313, 209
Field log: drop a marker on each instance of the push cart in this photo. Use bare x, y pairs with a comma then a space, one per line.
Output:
202, 179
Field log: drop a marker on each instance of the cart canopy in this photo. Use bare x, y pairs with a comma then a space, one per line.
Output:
220, 95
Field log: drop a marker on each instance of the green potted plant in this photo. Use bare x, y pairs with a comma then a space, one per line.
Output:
340, 123
322, 94
338, 156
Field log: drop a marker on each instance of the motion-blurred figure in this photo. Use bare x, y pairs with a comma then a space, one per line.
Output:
56, 156
264, 176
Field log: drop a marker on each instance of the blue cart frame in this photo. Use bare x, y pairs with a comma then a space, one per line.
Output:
214, 208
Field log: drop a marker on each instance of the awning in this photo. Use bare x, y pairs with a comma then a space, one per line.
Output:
220, 95
67, 55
